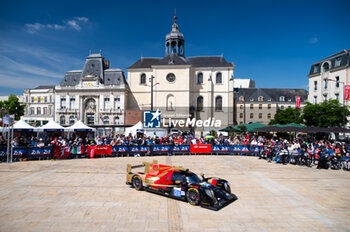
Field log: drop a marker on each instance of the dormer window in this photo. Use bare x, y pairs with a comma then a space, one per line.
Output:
325, 67
337, 61
282, 99
261, 98
316, 68
252, 99
241, 98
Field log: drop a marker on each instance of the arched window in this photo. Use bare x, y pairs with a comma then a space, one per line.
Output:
282, 98
218, 103
261, 98
71, 120
325, 67
241, 98
106, 120
143, 78
116, 120
218, 78
38, 110
62, 120
200, 103
200, 78
170, 102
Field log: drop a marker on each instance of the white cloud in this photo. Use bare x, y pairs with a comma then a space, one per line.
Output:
10, 64
74, 23
313, 40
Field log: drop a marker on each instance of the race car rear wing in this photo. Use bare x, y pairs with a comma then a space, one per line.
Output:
144, 164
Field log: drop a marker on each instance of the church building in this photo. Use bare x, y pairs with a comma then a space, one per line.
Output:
181, 87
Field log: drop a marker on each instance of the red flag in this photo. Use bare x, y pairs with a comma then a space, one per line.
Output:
298, 101
347, 92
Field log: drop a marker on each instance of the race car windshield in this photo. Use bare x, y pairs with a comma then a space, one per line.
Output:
193, 178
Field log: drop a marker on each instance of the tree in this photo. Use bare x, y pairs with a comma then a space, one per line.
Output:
326, 114
286, 116
13, 106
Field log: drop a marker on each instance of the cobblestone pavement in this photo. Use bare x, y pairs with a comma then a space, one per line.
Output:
91, 195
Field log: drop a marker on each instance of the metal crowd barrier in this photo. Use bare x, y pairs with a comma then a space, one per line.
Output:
65, 152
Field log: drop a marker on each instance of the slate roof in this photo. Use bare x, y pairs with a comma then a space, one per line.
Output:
45, 87
113, 77
197, 61
71, 78
273, 95
345, 62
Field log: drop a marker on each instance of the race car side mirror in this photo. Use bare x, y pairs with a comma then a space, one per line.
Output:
202, 175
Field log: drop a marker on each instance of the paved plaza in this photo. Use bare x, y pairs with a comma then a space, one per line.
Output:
91, 195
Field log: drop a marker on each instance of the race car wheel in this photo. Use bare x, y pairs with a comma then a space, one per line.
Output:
137, 183
193, 196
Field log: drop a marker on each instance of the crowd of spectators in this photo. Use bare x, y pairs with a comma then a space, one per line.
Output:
296, 151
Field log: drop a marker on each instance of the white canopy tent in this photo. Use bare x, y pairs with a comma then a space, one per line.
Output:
133, 130
21, 125
80, 126
51, 126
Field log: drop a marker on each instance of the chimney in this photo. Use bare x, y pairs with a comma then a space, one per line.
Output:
107, 64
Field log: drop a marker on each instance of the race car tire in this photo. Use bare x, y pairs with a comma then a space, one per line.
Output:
193, 196
137, 183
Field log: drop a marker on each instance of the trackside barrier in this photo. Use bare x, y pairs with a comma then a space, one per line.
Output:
65, 152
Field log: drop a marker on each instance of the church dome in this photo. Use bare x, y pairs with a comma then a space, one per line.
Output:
174, 41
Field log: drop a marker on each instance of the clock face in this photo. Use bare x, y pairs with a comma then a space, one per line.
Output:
170, 77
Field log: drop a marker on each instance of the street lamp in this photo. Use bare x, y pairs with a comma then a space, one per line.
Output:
152, 85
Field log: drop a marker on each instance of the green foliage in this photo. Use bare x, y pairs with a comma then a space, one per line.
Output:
13, 106
287, 116
212, 132
326, 114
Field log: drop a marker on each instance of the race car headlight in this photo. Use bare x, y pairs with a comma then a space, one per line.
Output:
210, 193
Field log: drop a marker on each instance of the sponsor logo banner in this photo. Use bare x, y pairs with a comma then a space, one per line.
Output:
200, 148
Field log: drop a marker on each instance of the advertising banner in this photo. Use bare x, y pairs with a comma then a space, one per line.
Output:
3, 152
200, 148
297, 99
347, 92
36, 151
100, 150
220, 149
138, 149
181, 149
158, 149
61, 152
119, 149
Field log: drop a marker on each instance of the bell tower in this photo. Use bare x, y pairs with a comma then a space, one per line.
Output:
174, 41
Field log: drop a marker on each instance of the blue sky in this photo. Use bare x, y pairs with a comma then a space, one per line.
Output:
272, 42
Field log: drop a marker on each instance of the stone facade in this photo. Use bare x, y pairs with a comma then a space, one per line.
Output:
328, 76
183, 87
40, 105
260, 104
